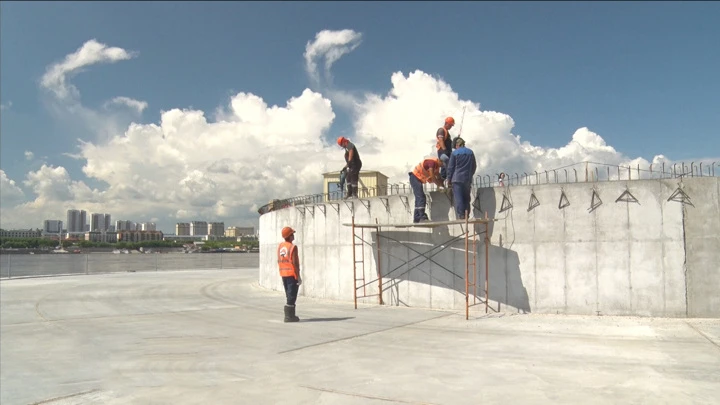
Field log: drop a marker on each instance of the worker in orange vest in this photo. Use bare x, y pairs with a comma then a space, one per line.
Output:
427, 171
289, 264
444, 144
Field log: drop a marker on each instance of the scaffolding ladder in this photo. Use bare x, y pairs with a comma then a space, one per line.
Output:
469, 235
355, 244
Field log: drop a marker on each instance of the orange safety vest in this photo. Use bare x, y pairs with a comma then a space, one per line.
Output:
439, 143
424, 175
287, 268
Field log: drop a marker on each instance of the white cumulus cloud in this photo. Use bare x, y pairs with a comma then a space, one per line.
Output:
136, 105
10, 196
327, 48
186, 167
9, 191
29, 155
65, 99
90, 53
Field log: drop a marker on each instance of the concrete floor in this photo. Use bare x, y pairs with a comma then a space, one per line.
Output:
214, 337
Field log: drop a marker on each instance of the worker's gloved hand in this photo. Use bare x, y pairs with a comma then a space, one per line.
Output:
447, 183
299, 281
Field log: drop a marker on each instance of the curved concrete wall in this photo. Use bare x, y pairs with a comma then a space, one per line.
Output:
652, 258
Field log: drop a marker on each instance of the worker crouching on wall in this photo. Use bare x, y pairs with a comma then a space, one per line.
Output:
427, 171
289, 264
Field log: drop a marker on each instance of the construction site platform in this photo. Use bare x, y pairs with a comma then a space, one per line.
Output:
215, 337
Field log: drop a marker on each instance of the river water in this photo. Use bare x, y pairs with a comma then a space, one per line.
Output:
23, 265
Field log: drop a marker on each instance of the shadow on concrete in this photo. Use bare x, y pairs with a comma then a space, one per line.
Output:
436, 257
326, 319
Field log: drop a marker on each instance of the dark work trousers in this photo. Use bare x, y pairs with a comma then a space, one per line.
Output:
461, 193
353, 177
417, 188
445, 158
291, 289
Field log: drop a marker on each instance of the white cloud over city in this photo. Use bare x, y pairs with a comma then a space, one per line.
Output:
188, 167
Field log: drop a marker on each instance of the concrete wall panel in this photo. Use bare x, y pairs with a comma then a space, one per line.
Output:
619, 259
614, 279
581, 276
702, 235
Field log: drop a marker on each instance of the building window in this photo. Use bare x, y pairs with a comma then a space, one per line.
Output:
334, 191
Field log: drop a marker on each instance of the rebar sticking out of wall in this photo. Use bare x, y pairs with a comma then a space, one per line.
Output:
506, 204
564, 202
680, 196
595, 200
534, 202
627, 196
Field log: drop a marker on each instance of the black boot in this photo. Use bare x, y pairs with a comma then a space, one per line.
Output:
290, 314
349, 191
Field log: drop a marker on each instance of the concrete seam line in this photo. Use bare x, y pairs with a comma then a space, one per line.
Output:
685, 260
365, 334
364, 396
46, 401
702, 334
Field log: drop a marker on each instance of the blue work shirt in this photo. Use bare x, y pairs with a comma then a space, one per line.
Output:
462, 165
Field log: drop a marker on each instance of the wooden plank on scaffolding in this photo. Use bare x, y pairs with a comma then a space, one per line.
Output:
425, 224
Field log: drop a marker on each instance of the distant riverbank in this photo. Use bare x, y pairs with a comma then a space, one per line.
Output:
27, 265
85, 250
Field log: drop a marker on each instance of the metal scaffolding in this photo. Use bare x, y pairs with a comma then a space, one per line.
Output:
470, 256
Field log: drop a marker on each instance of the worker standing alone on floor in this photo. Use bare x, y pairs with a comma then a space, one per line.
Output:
353, 165
460, 172
427, 171
444, 144
289, 264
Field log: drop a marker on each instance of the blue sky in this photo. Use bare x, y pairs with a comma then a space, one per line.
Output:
644, 76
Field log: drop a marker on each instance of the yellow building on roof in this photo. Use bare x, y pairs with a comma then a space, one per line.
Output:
370, 184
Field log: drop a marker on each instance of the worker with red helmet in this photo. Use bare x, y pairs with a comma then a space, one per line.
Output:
289, 264
353, 164
444, 144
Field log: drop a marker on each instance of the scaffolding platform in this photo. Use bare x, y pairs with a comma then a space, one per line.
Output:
470, 259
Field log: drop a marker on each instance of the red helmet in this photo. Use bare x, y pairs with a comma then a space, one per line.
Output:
450, 120
286, 232
341, 140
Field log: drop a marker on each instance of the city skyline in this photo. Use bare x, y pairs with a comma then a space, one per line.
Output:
78, 217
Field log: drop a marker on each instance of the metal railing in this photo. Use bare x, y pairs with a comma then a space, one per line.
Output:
594, 172
573, 173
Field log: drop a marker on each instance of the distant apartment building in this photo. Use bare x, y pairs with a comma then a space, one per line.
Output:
100, 222
52, 226
182, 229
97, 222
147, 226
138, 236
216, 229
76, 221
21, 233
238, 231
198, 228
126, 226
97, 236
